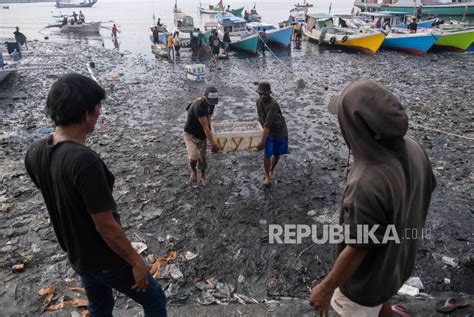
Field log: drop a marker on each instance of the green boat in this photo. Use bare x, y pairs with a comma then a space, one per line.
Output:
456, 40
465, 9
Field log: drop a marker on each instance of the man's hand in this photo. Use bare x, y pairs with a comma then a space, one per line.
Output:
215, 148
140, 273
321, 298
260, 146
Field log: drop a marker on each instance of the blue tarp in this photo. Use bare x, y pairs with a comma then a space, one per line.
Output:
228, 18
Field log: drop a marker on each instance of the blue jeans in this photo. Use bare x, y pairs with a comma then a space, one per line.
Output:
99, 286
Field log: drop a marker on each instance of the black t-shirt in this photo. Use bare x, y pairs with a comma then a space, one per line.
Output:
198, 109
75, 183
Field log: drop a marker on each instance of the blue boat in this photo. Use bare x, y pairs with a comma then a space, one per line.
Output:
420, 24
278, 36
241, 38
413, 43
471, 48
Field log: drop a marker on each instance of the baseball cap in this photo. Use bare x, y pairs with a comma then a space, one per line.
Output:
212, 95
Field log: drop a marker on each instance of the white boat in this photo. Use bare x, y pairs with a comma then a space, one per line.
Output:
87, 27
160, 50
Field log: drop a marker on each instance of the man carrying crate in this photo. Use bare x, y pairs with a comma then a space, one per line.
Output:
198, 130
275, 134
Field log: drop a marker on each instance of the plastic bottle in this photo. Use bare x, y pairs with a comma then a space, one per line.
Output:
16, 56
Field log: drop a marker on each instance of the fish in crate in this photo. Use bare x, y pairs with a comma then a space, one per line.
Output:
195, 72
234, 136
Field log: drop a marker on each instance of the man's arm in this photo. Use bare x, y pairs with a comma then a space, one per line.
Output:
207, 131
265, 134
346, 264
112, 233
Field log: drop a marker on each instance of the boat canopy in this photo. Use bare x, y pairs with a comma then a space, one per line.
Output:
228, 19
259, 26
378, 14
321, 16
182, 19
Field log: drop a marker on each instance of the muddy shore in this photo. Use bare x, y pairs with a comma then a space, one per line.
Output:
139, 136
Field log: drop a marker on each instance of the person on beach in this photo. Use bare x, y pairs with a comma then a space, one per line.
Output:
263, 41
156, 35
215, 44
115, 30
194, 44
197, 130
389, 185
177, 43
20, 38
275, 133
170, 46
227, 41
77, 189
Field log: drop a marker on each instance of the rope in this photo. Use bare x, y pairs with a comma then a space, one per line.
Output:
443, 132
299, 77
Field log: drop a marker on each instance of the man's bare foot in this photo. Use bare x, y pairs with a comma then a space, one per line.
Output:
267, 181
272, 175
192, 178
203, 181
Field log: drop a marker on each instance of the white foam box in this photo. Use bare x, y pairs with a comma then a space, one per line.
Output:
237, 135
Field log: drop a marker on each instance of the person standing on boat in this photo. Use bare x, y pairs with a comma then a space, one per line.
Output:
275, 133
82, 18
158, 23
227, 41
197, 130
74, 15
177, 44
388, 190
77, 189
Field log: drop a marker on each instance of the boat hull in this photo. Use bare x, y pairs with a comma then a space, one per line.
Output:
367, 43
451, 9
81, 28
471, 48
281, 36
248, 44
455, 41
76, 5
410, 43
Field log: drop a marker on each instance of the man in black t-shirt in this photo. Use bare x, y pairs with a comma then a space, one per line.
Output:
197, 130
77, 189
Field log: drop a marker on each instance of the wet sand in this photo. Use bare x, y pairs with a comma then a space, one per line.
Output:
139, 136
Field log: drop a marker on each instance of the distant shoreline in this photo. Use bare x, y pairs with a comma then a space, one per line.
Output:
24, 1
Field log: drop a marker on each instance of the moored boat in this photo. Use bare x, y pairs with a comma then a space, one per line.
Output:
184, 24
83, 4
413, 43
241, 38
455, 40
465, 8
86, 27
320, 29
211, 9
278, 36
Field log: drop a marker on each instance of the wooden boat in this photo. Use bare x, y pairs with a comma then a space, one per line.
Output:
304, 5
455, 40
465, 8
216, 10
298, 14
252, 16
184, 24
278, 36
87, 27
160, 50
162, 35
241, 38
413, 43
365, 40
69, 4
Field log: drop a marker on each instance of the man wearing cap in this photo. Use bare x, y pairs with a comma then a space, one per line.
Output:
389, 186
197, 130
275, 134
